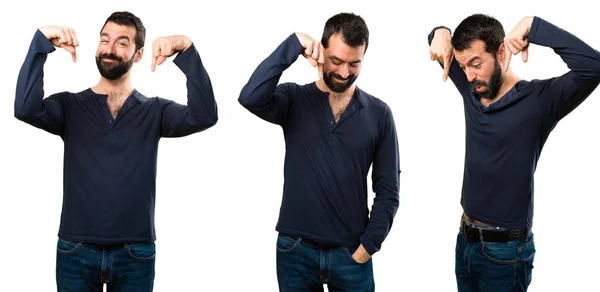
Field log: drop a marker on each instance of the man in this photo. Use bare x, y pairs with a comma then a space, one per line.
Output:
333, 130
111, 133
508, 120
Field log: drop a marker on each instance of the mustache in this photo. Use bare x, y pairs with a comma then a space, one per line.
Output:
110, 57
338, 76
479, 83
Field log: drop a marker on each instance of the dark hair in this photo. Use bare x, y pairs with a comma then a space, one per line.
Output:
350, 26
128, 19
479, 27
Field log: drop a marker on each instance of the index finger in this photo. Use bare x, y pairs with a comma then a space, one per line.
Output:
155, 53
320, 70
321, 59
447, 61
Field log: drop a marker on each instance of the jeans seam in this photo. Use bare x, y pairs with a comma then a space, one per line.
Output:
128, 248
77, 244
296, 243
525, 246
110, 269
495, 260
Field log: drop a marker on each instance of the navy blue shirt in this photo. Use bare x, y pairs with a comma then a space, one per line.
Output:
504, 141
327, 163
110, 164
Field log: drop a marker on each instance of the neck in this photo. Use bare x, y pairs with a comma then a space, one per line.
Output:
509, 79
120, 87
334, 95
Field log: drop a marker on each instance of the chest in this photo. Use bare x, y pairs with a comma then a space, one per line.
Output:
518, 127
114, 105
354, 132
337, 108
90, 123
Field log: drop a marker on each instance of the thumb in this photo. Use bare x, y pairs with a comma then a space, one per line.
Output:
525, 53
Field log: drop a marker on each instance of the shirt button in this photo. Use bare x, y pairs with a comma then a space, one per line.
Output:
331, 123
110, 121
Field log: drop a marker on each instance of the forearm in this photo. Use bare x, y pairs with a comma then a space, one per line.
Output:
258, 94
201, 112
560, 95
386, 186
30, 83
30, 105
582, 59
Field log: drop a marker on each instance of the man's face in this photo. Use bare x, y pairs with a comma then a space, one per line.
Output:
116, 52
481, 68
341, 65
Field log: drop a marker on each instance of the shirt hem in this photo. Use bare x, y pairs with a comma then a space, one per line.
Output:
104, 240
320, 239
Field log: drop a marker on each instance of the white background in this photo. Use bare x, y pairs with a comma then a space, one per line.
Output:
219, 191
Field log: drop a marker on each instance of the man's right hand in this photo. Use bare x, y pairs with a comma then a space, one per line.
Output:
313, 51
441, 50
62, 37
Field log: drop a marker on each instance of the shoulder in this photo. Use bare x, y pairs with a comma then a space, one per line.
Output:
292, 89
373, 103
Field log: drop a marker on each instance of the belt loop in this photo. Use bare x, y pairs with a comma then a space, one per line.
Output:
480, 234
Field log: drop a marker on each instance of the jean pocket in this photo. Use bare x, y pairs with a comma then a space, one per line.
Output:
500, 253
141, 251
286, 243
349, 252
66, 246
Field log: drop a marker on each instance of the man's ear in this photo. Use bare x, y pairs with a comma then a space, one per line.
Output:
503, 57
139, 54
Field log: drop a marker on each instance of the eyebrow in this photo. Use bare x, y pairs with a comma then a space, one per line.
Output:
473, 60
470, 61
122, 37
334, 58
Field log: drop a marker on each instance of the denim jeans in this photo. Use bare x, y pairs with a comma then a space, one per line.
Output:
494, 266
82, 267
304, 267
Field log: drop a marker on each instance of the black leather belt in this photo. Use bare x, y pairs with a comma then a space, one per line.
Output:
491, 234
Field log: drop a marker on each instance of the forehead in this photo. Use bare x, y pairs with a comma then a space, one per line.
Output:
475, 50
115, 30
338, 48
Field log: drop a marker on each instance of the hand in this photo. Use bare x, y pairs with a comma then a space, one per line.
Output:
441, 50
516, 41
165, 47
313, 51
62, 37
361, 255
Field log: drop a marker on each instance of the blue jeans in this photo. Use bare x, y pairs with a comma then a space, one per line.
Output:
304, 267
82, 267
494, 266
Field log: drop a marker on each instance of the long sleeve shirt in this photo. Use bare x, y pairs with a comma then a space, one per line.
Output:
110, 164
327, 162
504, 141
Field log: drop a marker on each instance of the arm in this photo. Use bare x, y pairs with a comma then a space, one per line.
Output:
201, 110
437, 42
30, 105
261, 95
561, 95
386, 186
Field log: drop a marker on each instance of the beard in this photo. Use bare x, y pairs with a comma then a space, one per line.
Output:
113, 71
493, 86
337, 86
